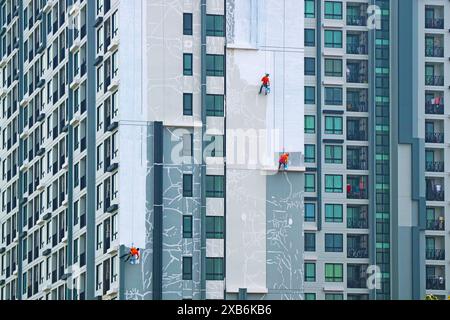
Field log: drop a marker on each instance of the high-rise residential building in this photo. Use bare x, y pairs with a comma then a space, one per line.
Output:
375, 181
141, 123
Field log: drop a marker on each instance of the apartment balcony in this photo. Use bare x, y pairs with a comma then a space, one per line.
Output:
436, 225
357, 129
357, 187
435, 283
357, 71
434, 190
357, 100
435, 254
434, 166
357, 158
357, 42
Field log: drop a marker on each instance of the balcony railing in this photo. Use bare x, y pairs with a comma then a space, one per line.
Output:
431, 108
357, 223
435, 254
433, 195
435, 283
434, 137
357, 253
434, 166
357, 106
354, 20
434, 80
357, 135
357, 78
357, 194
437, 225
434, 23
434, 51
357, 164
356, 49
357, 283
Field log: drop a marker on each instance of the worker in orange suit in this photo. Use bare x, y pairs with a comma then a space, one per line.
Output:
283, 162
133, 255
265, 84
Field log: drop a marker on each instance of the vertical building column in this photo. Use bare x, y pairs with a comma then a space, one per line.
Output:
91, 150
204, 145
20, 159
319, 49
158, 210
69, 142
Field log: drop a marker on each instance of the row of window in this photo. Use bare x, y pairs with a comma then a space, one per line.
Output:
214, 269
334, 183
215, 186
357, 245
215, 65
214, 227
215, 25
214, 105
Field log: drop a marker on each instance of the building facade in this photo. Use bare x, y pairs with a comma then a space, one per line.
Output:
122, 125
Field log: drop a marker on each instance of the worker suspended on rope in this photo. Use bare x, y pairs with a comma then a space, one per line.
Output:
133, 255
284, 161
265, 84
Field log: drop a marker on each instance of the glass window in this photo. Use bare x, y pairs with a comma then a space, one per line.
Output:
187, 268
310, 95
217, 145
215, 25
310, 37
333, 154
215, 65
310, 212
333, 10
333, 39
187, 24
187, 64
333, 67
187, 104
310, 272
333, 125
310, 10
310, 182
333, 183
214, 105
214, 227
214, 269
310, 66
310, 242
333, 213
333, 272
310, 296
310, 153
187, 185
215, 186
333, 242
187, 227
333, 96
334, 296
310, 124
